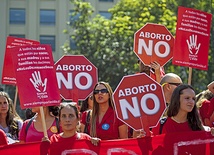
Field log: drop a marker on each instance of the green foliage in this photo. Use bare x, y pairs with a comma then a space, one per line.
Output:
108, 43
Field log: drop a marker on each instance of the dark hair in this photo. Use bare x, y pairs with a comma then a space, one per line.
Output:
29, 114
174, 106
54, 110
84, 105
12, 116
69, 104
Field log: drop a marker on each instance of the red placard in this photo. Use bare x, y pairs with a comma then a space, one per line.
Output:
153, 42
192, 38
8, 73
76, 77
36, 76
139, 101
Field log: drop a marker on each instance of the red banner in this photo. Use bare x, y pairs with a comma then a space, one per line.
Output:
194, 143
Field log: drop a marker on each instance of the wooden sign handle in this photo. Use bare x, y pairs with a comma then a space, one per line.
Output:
43, 122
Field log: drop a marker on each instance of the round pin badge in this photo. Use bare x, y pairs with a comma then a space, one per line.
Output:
105, 126
53, 129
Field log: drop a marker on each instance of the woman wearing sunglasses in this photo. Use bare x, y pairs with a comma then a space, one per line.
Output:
104, 123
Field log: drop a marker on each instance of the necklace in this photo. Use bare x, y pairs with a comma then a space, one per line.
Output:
173, 118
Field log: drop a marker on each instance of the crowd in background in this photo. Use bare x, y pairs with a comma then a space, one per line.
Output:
96, 120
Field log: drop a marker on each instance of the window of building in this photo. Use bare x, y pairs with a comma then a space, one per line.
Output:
106, 14
73, 17
18, 35
47, 17
17, 16
73, 45
106, 0
48, 39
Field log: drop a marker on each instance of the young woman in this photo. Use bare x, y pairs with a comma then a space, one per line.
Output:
182, 114
104, 123
69, 119
10, 122
32, 129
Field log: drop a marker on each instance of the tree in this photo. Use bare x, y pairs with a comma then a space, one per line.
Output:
108, 43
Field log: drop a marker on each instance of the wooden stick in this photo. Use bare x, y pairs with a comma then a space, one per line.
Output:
15, 100
190, 76
43, 122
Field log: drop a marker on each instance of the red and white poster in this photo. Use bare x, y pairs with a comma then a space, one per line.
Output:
192, 38
153, 42
36, 76
139, 101
76, 77
8, 73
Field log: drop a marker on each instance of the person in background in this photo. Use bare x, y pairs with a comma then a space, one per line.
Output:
86, 108
205, 104
87, 104
68, 118
10, 121
104, 123
32, 130
3, 138
210, 86
29, 114
182, 114
155, 70
169, 82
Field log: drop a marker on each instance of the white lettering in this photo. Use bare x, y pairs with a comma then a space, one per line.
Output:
74, 68
61, 79
79, 85
145, 107
137, 90
125, 106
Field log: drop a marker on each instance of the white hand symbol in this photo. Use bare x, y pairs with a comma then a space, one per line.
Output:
37, 82
192, 44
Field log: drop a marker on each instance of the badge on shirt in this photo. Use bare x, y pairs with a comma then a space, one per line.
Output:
54, 129
105, 126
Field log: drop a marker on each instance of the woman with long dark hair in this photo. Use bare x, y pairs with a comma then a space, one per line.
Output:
104, 123
182, 114
10, 122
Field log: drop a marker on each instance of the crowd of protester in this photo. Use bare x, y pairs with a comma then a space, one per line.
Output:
96, 120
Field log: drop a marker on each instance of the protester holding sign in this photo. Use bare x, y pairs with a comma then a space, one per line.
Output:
182, 114
10, 122
32, 129
69, 119
104, 122
155, 70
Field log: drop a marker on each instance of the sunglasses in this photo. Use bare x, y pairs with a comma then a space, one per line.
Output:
176, 84
102, 91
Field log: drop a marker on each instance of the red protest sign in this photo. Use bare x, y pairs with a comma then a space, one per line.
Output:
36, 76
8, 73
76, 76
139, 101
153, 42
192, 38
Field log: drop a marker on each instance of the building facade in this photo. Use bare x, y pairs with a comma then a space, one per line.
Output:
41, 20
